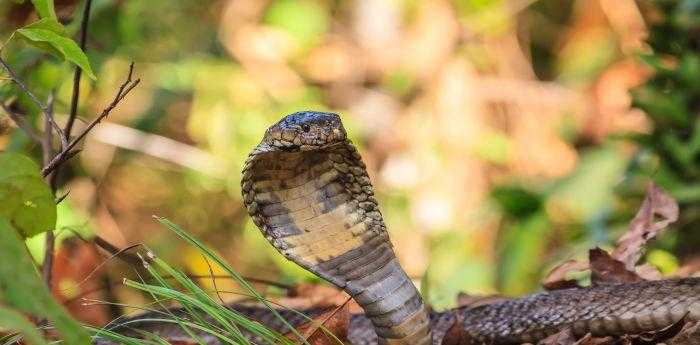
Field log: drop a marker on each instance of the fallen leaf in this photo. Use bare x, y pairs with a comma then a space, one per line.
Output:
74, 277
588, 339
657, 211
454, 335
335, 321
606, 270
556, 278
563, 337
689, 334
648, 272
690, 267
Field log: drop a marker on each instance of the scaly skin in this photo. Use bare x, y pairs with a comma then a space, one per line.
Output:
306, 188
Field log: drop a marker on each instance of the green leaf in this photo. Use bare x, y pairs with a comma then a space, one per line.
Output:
16, 321
57, 45
521, 252
50, 24
27, 201
44, 8
516, 201
23, 289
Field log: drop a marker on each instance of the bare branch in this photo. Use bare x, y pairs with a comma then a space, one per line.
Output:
64, 155
23, 86
47, 153
46, 109
62, 197
52, 121
78, 71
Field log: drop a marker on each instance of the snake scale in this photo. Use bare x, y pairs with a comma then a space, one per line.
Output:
305, 186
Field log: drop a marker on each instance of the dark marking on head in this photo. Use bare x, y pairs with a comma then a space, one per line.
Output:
305, 130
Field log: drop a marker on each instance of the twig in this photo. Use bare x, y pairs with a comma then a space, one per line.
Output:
47, 153
115, 252
23, 86
78, 71
64, 155
62, 197
63, 136
51, 165
213, 279
52, 121
45, 109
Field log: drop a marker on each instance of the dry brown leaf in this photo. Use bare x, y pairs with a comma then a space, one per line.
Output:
689, 267
689, 334
606, 270
588, 339
556, 278
74, 276
335, 321
648, 272
454, 335
563, 337
657, 211
307, 295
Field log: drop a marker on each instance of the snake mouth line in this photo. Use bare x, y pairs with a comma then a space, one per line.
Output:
300, 148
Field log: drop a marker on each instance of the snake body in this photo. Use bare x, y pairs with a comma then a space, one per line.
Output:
306, 188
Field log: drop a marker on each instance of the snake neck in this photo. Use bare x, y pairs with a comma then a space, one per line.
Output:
317, 208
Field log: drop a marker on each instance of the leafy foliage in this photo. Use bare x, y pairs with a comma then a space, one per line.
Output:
28, 203
22, 288
50, 36
14, 320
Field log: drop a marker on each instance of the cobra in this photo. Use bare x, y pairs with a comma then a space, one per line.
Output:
305, 186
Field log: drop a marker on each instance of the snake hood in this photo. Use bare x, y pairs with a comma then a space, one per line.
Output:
305, 186
305, 130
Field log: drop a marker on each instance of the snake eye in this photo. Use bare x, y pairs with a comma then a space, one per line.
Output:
305, 127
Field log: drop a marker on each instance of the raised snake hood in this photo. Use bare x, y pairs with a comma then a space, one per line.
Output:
305, 186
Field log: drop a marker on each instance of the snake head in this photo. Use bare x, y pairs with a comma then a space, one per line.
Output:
305, 130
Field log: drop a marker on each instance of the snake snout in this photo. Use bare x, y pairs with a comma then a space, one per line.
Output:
305, 130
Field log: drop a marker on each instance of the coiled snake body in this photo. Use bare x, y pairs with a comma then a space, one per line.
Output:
306, 188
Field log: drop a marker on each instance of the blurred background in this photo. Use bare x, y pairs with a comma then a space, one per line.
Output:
502, 136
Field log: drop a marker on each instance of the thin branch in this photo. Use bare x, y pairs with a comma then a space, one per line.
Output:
23, 86
47, 110
64, 155
52, 121
78, 71
47, 153
62, 197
